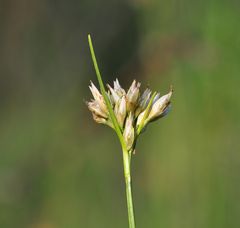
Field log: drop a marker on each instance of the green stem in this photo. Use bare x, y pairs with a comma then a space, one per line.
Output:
104, 93
127, 175
126, 153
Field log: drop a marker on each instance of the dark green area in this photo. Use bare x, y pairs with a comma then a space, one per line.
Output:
59, 169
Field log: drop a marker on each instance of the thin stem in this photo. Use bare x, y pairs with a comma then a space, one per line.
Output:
127, 175
103, 91
126, 153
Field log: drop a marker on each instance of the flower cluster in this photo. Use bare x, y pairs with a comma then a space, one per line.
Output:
133, 111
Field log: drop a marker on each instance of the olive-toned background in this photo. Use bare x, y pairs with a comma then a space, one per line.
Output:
59, 169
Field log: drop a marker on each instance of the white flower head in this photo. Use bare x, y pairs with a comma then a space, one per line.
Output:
133, 111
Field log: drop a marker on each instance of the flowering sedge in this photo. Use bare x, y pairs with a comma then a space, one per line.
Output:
128, 113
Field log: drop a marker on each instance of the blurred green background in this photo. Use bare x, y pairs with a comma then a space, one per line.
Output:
59, 169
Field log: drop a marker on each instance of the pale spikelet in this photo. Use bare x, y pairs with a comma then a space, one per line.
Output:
95, 108
128, 133
118, 88
121, 110
132, 96
98, 97
159, 106
143, 101
115, 97
140, 118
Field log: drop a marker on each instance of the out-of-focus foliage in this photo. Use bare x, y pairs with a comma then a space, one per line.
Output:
58, 169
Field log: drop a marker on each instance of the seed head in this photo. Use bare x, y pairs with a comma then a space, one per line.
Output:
131, 109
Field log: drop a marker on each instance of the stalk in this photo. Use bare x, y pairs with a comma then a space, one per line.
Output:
126, 153
103, 91
127, 175
119, 113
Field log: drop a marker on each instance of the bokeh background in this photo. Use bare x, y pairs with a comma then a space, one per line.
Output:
59, 169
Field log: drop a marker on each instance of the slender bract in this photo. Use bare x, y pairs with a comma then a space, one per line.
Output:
103, 91
128, 113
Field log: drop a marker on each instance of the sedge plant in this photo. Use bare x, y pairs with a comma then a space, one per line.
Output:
127, 113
